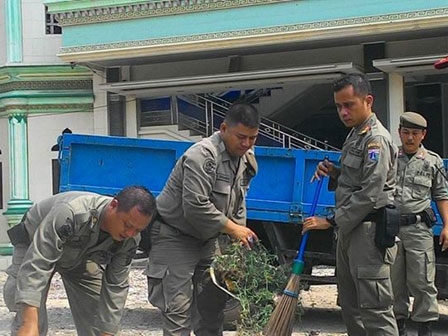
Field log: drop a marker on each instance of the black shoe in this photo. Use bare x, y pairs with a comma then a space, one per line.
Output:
402, 331
424, 329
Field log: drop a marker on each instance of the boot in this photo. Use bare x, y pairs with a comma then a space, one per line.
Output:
424, 329
401, 324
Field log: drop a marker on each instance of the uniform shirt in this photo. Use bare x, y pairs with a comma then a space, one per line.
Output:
367, 175
205, 189
64, 231
419, 181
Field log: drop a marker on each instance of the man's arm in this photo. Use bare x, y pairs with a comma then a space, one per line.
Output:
326, 168
114, 288
442, 206
199, 168
240, 232
439, 193
39, 262
30, 318
375, 165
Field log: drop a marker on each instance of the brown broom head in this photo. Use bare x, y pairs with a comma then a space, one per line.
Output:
282, 318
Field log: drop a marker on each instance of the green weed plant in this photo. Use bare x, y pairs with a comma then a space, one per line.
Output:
256, 278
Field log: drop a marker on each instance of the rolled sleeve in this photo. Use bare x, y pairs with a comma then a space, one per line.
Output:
439, 190
40, 260
114, 289
199, 176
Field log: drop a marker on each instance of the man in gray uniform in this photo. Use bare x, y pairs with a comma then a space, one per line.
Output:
89, 240
420, 180
203, 197
365, 183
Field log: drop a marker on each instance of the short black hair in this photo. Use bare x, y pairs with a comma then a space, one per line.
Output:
136, 196
360, 83
244, 113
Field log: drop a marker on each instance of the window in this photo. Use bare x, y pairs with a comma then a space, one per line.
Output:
51, 24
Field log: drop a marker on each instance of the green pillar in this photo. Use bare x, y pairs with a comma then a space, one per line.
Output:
19, 201
13, 11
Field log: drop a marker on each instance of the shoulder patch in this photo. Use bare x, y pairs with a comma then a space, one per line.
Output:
374, 153
433, 153
374, 144
209, 165
65, 231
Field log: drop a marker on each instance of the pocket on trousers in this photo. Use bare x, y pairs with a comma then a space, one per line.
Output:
375, 288
430, 267
156, 295
390, 254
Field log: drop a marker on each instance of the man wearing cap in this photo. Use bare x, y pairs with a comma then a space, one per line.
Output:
420, 178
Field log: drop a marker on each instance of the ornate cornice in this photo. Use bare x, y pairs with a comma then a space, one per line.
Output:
47, 85
24, 109
387, 21
152, 8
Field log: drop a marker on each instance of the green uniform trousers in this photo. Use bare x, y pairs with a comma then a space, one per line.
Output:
82, 286
414, 273
179, 283
364, 285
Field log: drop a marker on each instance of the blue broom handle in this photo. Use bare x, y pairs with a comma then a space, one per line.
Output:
312, 212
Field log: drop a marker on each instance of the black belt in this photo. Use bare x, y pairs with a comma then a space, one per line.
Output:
409, 219
404, 219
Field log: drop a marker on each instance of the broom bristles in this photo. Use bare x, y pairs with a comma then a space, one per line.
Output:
282, 318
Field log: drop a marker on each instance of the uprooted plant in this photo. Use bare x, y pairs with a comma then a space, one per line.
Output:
255, 277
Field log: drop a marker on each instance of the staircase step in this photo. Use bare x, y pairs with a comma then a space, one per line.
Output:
167, 132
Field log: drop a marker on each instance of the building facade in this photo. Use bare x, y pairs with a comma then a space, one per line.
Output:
142, 68
40, 96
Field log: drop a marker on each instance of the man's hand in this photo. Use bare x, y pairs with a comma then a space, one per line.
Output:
324, 168
443, 238
315, 223
30, 317
241, 233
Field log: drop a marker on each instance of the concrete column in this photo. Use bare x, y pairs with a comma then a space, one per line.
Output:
13, 26
100, 117
396, 104
18, 162
131, 117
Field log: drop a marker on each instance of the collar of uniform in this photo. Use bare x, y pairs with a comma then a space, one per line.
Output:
221, 146
217, 140
100, 208
366, 125
421, 153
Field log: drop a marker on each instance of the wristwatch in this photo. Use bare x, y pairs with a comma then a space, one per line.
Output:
331, 220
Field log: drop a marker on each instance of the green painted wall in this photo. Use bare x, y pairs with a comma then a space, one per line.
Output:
276, 14
13, 26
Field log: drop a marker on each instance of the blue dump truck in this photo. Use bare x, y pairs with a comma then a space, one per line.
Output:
279, 198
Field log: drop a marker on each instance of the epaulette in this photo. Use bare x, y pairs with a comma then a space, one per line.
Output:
251, 163
433, 154
365, 129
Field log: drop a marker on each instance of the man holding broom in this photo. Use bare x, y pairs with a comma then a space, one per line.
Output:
365, 184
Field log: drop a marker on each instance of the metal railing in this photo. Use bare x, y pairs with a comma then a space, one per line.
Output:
216, 107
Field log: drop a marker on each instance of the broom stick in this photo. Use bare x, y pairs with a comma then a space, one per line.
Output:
282, 318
